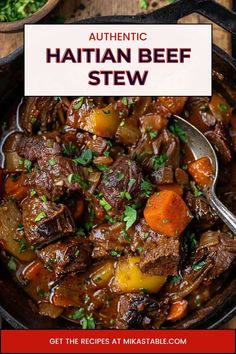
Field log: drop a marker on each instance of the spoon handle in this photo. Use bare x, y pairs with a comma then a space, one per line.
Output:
226, 216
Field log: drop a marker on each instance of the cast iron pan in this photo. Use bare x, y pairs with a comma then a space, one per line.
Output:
14, 303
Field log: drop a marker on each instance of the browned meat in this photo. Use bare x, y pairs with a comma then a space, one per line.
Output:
220, 248
55, 177
37, 147
124, 176
204, 216
39, 113
66, 256
159, 254
163, 175
222, 142
45, 222
96, 144
164, 150
139, 311
181, 177
109, 239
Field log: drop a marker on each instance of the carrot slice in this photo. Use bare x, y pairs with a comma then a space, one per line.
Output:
175, 187
15, 187
34, 270
177, 310
167, 213
201, 170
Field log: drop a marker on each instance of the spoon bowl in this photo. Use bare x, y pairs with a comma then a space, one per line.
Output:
201, 147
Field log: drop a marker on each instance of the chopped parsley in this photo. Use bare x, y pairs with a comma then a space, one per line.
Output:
125, 195
52, 162
11, 264
40, 216
119, 176
78, 103
195, 190
223, 107
143, 4
110, 219
176, 129
22, 245
88, 322
85, 158
57, 98
198, 266
125, 101
139, 249
27, 165
32, 192
164, 221
69, 149
13, 10
77, 252
175, 279
129, 216
44, 198
114, 253
14, 178
146, 188
106, 153
102, 167
158, 161
143, 290
76, 178
105, 204
78, 313
153, 133
131, 182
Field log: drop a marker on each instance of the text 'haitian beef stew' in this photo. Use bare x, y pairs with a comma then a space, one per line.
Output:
102, 216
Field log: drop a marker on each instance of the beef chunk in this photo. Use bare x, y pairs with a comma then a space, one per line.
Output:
66, 256
218, 246
55, 177
139, 311
39, 113
34, 148
107, 238
45, 222
181, 177
204, 216
222, 142
160, 254
117, 181
97, 144
163, 175
147, 151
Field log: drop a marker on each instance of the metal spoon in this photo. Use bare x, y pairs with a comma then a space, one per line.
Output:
201, 147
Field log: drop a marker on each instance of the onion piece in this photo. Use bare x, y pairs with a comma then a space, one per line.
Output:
208, 238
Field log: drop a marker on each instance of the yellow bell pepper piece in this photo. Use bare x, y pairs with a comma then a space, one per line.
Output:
129, 278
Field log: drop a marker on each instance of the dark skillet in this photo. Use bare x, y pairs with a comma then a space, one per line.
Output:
14, 302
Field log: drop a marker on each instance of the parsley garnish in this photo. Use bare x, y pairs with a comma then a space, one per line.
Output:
119, 176
195, 190
114, 253
78, 103
78, 313
131, 182
27, 165
105, 204
175, 279
85, 158
52, 162
143, 4
22, 245
44, 198
102, 167
198, 266
158, 161
69, 149
40, 216
76, 178
146, 187
176, 129
129, 216
88, 322
11, 264
125, 101
223, 107
125, 195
